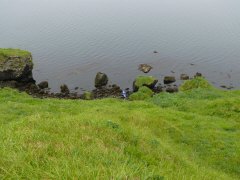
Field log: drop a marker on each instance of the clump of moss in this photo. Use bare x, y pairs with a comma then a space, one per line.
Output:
142, 94
87, 95
141, 81
197, 82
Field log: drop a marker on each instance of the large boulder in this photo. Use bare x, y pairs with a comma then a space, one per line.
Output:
101, 80
15, 65
148, 81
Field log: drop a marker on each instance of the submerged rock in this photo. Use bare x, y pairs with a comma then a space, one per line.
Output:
145, 68
101, 80
15, 65
148, 81
169, 79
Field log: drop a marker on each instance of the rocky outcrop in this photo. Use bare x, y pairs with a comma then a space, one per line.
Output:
15, 65
101, 80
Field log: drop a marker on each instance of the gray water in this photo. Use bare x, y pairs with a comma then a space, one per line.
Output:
71, 40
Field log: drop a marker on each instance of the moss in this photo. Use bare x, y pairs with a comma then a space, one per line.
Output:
144, 80
87, 95
142, 94
198, 82
4, 53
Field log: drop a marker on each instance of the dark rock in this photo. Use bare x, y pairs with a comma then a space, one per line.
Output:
145, 68
104, 92
169, 79
11, 84
198, 74
155, 52
16, 68
184, 77
101, 80
43, 85
64, 89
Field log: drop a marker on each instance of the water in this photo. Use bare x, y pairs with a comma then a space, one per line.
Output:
71, 40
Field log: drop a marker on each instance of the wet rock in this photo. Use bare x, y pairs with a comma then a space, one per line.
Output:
172, 89
101, 80
145, 68
43, 85
184, 77
169, 79
64, 89
148, 81
155, 52
198, 74
16, 67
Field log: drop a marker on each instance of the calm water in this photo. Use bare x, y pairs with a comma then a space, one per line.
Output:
71, 40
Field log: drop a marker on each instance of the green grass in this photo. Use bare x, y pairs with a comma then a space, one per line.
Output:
188, 135
13, 52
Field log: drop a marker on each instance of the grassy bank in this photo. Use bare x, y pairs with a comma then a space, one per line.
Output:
189, 135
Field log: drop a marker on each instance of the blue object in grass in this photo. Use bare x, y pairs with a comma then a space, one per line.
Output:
124, 94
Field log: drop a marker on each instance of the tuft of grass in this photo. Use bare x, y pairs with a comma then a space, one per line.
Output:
197, 82
187, 135
142, 94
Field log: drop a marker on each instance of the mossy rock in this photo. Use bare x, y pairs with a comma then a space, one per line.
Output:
15, 64
87, 95
142, 94
148, 81
197, 82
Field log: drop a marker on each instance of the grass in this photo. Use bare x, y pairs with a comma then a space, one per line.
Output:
13, 52
189, 135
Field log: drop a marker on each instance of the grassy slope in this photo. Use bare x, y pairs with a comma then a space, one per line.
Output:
189, 135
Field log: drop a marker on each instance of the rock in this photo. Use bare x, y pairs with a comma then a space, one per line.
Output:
198, 74
148, 81
169, 79
184, 77
87, 95
15, 65
101, 80
43, 85
155, 52
64, 89
11, 84
172, 89
145, 68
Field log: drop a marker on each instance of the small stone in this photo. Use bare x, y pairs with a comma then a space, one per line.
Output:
145, 68
43, 85
101, 80
172, 89
184, 77
155, 52
198, 74
64, 89
169, 79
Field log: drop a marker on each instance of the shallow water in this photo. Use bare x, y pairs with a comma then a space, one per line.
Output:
71, 40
